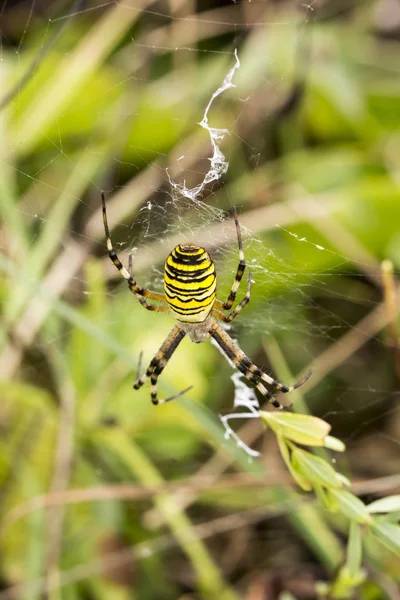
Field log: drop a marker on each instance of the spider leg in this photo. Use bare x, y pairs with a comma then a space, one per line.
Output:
140, 292
252, 373
234, 313
239, 272
130, 266
159, 362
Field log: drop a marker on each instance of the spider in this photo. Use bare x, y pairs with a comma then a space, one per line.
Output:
190, 284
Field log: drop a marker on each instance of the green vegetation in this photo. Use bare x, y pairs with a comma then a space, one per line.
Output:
103, 495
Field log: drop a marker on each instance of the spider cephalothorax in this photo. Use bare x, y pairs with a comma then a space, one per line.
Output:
190, 284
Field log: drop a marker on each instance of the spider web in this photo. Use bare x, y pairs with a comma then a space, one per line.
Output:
181, 210
168, 124
170, 209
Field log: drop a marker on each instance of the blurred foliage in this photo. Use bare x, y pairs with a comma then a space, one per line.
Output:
103, 495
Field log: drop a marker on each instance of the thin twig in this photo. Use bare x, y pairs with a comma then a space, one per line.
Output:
130, 492
136, 492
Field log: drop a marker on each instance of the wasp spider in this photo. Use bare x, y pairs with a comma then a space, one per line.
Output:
190, 284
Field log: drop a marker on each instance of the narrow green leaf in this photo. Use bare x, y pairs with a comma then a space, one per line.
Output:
346, 583
351, 506
315, 469
354, 550
302, 429
385, 505
297, 476
334, 444
345, 480
325, 499
320, 538
388, 534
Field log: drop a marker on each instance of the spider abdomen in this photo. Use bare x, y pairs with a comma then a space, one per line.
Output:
190, 283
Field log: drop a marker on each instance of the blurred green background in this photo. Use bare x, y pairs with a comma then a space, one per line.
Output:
104, 496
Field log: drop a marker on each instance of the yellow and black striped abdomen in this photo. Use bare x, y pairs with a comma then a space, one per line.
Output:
190, 283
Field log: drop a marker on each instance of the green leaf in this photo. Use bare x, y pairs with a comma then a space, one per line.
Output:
354, 550
315, 469
345, 480
302, 429
388, 534
385, 505
326, 500
334, 444
351, 506
346, 583
297, 476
